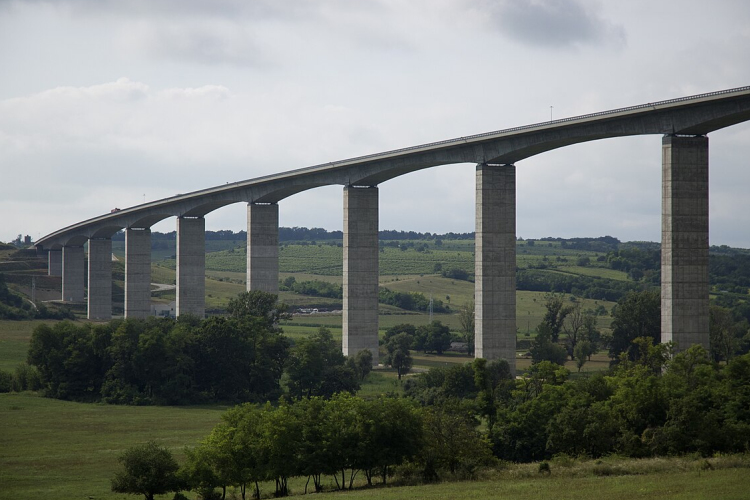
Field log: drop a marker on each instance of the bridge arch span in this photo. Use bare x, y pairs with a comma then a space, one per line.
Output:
684, 123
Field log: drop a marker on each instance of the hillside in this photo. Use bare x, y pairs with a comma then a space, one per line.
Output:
598, 271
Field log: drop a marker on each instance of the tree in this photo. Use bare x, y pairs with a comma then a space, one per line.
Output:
722, 342
451, 441
279, 445
573, 328
433, 337
591, 334
466, 320
554, 318
398, 356
487, 378
316, 367
149, 470
407, 328
582, 353
544, 349
258, 304
638, 314
361, 364
392, 431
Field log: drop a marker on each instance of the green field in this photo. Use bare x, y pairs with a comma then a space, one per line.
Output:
60, 450
726, 484
14, 342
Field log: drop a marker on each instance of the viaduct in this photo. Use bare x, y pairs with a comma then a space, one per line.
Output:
684, 124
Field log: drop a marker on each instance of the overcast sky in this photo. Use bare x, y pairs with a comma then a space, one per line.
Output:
107, 103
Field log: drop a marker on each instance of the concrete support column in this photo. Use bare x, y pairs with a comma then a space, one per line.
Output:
684, 241
137, 273
495, 264
72, 274
263, 247
100, 279
360, 314
191, 266
54, 263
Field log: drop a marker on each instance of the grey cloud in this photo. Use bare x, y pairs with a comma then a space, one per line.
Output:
552, 23
207, 43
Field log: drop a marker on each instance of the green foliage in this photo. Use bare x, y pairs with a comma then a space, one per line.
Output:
160, 361
406, 328
309, 437
361, 363
466, 318
149, 470
258, 304
490, 379
411, 301
638, 314
544, 349
12, 305
435, 337
582, 352
554, 318
397, 353
456, 273
6, 381
317, 288
452, 442
316, 367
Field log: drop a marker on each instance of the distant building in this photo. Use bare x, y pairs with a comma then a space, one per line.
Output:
162, 310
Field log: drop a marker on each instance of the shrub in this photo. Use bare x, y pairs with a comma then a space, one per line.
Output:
6, 381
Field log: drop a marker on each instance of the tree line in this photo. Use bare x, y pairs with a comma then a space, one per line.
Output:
243, 357
343, 438
411, 301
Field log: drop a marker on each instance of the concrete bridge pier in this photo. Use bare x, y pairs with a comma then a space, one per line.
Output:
191, 266
495, 263
684, 241
263, 247
137, 272
54, 263
72, 273
100, 279
360, 314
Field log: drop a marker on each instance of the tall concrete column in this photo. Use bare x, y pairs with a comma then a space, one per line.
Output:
137, 273
684, 241
72, 274
54, 263
263, 247
100, 279
191, 266
360, 314
495, 264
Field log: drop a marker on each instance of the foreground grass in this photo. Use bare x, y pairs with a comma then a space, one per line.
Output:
58, 449
727, 484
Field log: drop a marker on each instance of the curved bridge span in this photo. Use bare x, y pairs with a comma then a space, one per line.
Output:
684, 124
